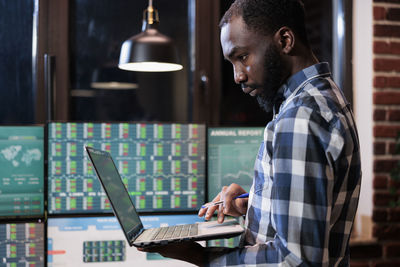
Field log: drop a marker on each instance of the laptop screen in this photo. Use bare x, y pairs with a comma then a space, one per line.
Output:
116, 192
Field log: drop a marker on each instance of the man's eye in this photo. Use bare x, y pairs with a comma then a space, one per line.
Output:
243, 57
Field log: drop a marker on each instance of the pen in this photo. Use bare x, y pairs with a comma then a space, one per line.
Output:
220, 202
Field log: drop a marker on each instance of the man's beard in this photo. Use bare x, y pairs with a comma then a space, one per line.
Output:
273, 76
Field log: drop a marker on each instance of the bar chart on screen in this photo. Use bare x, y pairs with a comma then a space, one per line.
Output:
161, 165
22, 244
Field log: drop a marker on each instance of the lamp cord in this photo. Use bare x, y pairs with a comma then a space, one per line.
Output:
152, 14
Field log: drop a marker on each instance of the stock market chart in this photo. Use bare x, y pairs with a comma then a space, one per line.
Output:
22, 171
22, 244
99, 241
231, 156
161, 165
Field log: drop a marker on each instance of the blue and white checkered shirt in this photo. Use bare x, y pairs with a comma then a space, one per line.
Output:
307, 180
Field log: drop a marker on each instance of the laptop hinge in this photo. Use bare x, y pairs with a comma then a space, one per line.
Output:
137, 234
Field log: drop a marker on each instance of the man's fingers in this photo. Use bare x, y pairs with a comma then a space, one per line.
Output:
207, 212
149, 249
202, 211
221, 215
210, 212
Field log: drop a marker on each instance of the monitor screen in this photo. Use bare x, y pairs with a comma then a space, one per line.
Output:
227, 242
231, 156
162, 165
22, 171
22, 244
101, 242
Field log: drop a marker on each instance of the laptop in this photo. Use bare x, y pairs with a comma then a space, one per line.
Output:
129, 219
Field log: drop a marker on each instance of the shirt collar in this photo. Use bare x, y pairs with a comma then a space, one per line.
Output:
298, 78
287, 89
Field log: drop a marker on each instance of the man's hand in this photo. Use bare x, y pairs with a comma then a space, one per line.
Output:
186, 251
233, 207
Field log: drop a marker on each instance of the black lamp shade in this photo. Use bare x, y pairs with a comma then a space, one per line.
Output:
149, 51
111, 77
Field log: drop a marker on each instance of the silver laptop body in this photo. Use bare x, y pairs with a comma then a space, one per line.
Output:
129, 219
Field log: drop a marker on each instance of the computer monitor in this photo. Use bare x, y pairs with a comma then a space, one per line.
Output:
21, 172
99, 241
227, 242
231, 156
22, 244
162, 166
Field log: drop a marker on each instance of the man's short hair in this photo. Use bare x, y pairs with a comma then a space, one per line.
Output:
268, 16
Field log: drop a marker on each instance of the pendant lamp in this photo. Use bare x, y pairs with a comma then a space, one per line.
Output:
149, 51
109, 76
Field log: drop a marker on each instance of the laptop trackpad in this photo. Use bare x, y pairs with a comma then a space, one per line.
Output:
213, 227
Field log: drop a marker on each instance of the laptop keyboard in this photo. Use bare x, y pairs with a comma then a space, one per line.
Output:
176, 231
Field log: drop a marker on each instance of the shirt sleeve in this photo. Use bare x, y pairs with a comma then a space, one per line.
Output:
301, 195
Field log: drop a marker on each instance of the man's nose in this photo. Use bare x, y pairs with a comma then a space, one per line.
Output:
240, 77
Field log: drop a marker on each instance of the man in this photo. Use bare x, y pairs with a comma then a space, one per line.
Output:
306, 186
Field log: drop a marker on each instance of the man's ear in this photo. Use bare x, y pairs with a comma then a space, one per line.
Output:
285, 39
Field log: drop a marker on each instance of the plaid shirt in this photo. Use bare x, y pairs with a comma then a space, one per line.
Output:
307, 180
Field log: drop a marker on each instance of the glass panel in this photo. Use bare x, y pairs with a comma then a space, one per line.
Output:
16, 87
97, 31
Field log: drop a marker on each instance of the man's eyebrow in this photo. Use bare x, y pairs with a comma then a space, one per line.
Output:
232, 53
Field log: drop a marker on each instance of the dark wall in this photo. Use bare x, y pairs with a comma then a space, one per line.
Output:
16, 86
